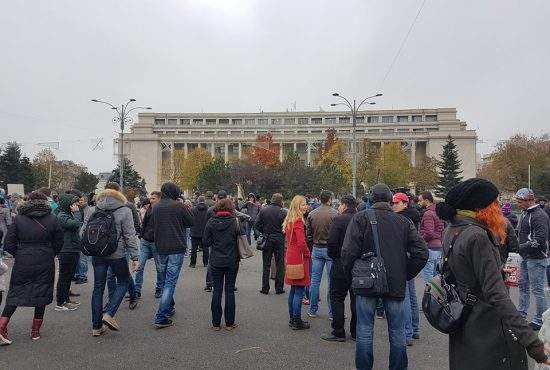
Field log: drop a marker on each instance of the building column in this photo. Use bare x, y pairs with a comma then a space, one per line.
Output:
280, 152
240, 150
172, 166
308, 153
213, 150
413, 153
185, 150
226, 152
295, 147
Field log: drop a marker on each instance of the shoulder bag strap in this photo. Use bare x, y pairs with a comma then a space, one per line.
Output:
374, 228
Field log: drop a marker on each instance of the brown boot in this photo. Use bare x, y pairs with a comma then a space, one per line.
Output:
4, 340
35, 331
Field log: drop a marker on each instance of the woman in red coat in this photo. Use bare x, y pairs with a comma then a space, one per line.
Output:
297, 253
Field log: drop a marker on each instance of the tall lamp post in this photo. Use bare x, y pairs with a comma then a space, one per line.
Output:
122, 116
354, 108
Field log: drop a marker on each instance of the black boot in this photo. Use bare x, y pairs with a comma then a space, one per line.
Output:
299, 324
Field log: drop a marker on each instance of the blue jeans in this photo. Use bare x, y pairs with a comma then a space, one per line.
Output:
412, 319
395, 315
532, 275
119, 267
320, 259
82, 268
249, 230
170, 267
112, 283
223, 276
430, 270
295, 301
146, 251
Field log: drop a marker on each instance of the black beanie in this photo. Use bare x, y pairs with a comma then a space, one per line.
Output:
472, 194
381, 193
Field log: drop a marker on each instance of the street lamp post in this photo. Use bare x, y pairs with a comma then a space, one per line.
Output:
354, 108
122, 117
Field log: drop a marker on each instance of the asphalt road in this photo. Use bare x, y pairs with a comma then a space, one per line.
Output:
263, 339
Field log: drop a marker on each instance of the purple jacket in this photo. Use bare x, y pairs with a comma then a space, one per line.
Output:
431, 228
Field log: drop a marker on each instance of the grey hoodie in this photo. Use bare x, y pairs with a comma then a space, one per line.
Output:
127, 239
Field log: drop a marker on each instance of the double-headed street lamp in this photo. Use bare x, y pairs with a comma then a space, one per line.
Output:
354, 108
122, 116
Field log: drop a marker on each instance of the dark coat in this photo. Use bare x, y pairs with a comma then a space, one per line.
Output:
336, 235
495, 335
34, 238
412, 214
220, 235
402, 249
534, 222
513, 219
170, 219
69, 223
147, 231
270, 223
135, 216
199, 213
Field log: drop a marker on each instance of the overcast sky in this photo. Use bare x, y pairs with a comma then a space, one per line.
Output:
489, 59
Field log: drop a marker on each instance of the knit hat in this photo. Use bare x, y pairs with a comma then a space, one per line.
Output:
381, 193
471, 195
525, 194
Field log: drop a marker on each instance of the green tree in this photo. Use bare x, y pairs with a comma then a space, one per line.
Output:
368, 171
449, 168
424, 175
395, 166
132, 179
296, 177
15, 168
215, 176
86, 182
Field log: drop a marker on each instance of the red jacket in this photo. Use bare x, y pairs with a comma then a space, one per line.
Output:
431, 228
297, 251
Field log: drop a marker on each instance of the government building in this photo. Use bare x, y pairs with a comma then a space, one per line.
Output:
155, 137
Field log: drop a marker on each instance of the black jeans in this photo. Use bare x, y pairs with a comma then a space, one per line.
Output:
267, 253
339, 288
38, 311
68, 263
195, 244
223, 276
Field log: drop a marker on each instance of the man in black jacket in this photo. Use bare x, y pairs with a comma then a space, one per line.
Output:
270, 224
199, 213
533, 227
339, 284
170, 219
404, 254
147, 248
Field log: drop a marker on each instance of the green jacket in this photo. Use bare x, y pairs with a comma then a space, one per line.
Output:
69, 223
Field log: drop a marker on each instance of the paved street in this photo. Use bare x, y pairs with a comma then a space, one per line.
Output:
262, 340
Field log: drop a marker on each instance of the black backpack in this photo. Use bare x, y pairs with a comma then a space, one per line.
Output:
99, 238
445, 305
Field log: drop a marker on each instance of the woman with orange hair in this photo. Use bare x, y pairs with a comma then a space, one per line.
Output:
297, 260
494, 335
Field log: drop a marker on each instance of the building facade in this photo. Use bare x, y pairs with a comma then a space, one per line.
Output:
155, 137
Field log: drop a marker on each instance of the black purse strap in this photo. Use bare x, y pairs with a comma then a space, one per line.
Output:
374, 227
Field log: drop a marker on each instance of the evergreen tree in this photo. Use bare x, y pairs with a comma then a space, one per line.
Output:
296, 177
215, 176
86, 182
15, 168
132, 179
449, 168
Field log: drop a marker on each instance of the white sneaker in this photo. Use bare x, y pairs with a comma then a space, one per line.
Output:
66, 307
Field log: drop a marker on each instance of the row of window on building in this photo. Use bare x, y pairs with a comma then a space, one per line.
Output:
296, 132
292, 121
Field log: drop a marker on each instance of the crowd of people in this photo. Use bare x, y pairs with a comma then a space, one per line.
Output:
310, 240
